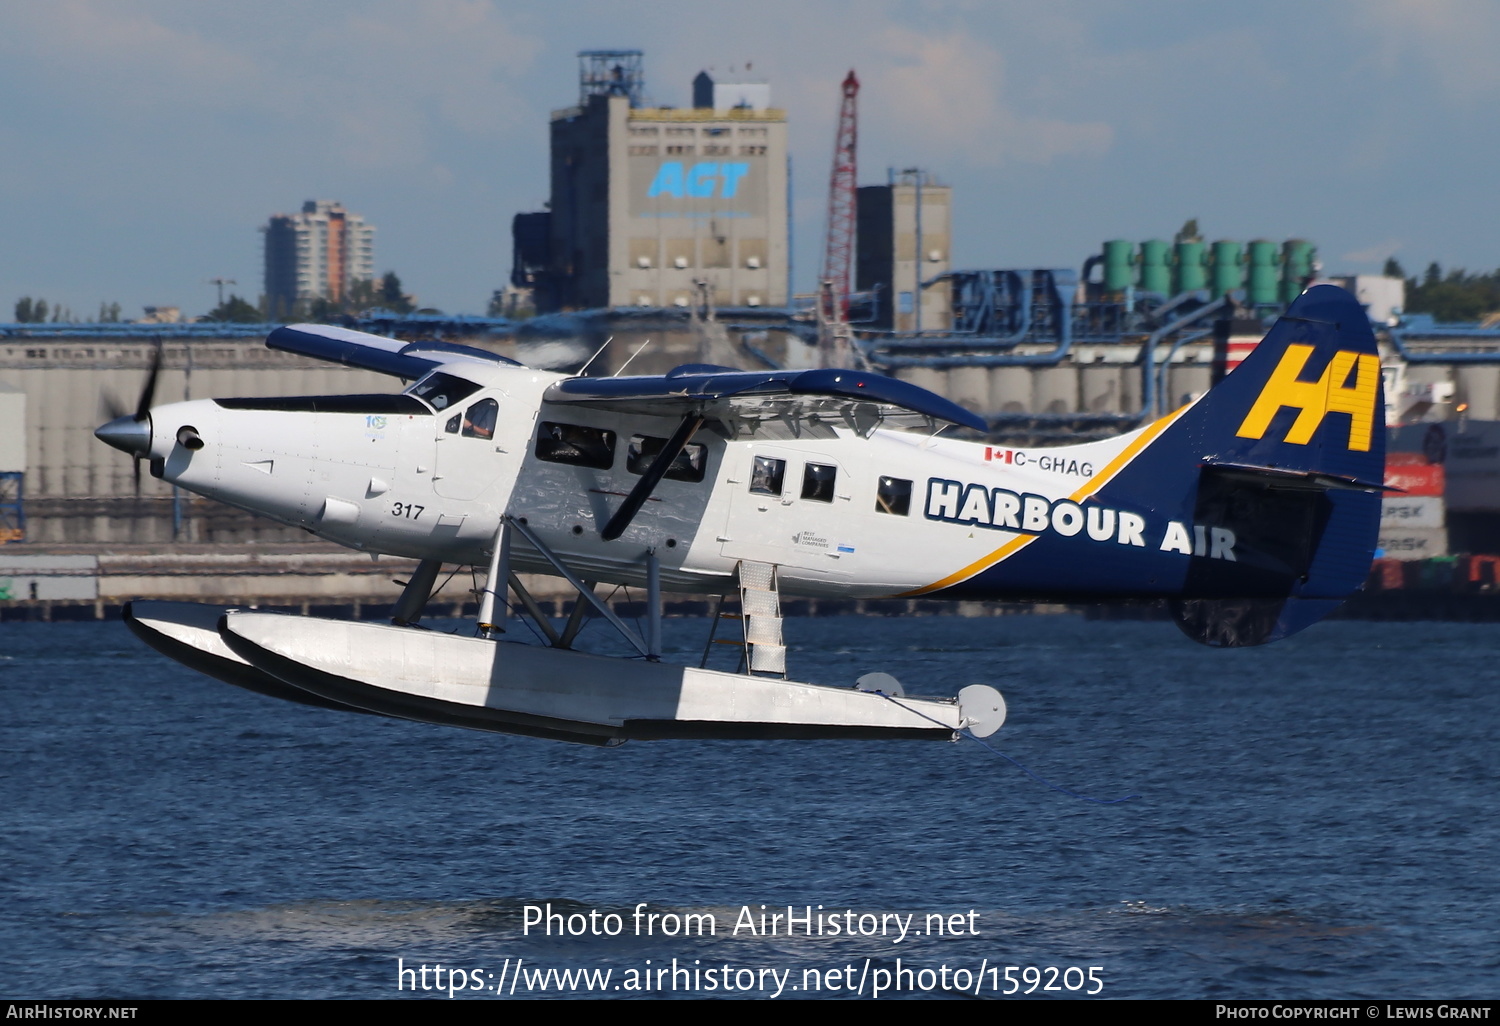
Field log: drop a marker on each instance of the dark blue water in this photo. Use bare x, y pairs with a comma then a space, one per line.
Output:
1316, 819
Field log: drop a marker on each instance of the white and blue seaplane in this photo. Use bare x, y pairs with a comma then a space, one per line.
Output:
1253, 510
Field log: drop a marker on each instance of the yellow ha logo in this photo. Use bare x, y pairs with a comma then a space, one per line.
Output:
1314, 400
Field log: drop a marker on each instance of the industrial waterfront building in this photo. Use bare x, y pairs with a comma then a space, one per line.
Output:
904, 233
654, 206
315, 254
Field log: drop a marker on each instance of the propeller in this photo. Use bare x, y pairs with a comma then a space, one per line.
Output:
131, 432
110, 406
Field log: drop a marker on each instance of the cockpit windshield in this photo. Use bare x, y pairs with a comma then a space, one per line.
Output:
441, 391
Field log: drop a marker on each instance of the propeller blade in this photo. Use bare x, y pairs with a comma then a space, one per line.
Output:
110, 406
132, 433
148, 393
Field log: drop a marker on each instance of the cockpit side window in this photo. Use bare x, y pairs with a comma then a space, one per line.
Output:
479, 421
441, 391
576, 444
817, 482
893, 496
767, 476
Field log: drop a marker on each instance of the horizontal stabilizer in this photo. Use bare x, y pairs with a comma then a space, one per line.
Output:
1296, 478
383, 355
861, 399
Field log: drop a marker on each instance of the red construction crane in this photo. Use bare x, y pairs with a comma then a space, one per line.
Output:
839, 254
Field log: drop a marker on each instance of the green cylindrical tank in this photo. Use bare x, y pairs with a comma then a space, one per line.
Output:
1156, 269
1226, 267
1297, 259
1262, 285
1189, 268
1119, 265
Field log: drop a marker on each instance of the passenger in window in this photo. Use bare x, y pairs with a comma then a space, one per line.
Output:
893, 496
589, 443
689, 465
767, 476
817, 482
576, 444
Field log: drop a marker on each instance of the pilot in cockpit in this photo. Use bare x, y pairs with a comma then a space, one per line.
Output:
479, 419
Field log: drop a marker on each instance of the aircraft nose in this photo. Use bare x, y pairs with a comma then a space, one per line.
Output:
127, 433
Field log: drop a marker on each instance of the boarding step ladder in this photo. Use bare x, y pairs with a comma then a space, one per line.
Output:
760, 606
763, 647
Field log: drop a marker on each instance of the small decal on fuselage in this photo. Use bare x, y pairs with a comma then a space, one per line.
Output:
1052, 464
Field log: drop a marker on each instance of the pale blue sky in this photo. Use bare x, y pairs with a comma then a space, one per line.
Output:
145, 141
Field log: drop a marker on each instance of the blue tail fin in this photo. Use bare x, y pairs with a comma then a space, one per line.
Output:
1290, 455
1308, 399
1257, 507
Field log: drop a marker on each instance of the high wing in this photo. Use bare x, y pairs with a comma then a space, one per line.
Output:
392, 356
744, 400
810, 401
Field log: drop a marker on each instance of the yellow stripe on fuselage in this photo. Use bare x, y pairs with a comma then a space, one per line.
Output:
1091, 486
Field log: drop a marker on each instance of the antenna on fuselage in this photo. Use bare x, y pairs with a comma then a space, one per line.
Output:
935, 429
596, 355
633, 355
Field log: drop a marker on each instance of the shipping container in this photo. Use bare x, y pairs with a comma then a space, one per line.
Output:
1469, 453
1408, 543
1415, 479
1483, 572
1401, 512
1386, 575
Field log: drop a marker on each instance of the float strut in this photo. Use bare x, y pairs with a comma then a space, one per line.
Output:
538, 616
575, 620
653, 606
499, 574
418, 590
578, 585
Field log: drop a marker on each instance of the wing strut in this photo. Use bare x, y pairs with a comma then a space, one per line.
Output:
652, 477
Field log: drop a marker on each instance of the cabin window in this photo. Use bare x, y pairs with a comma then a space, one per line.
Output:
689, 465
893, 496
479, 421
575, 444
767, 476
441, 391
817, 482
